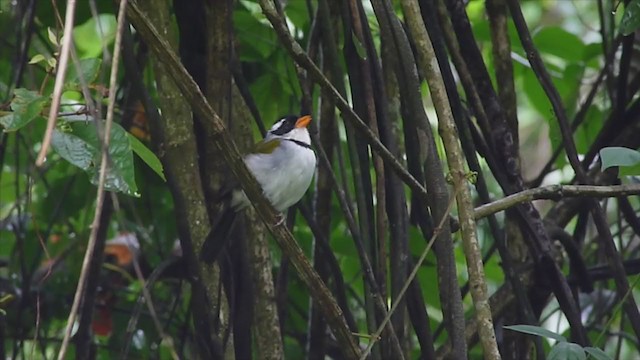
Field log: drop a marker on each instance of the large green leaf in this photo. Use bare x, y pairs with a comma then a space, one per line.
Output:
146, 155
87, 70
597, 353
95, 34
298, 13
557, 41
257, 40
567, 351
618, 156
27, 105
631, 19
82, 147
73, 149
587, 132
536, 330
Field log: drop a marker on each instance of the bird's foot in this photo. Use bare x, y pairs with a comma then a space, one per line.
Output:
281, 218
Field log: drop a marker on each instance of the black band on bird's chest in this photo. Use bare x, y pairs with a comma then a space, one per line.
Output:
303, 144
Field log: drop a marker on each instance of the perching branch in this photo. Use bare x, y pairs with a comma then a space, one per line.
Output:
226, 147
556, 192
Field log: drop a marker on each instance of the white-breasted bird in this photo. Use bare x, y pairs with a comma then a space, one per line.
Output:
283, 163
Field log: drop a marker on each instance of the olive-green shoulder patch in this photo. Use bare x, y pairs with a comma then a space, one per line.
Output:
266, 147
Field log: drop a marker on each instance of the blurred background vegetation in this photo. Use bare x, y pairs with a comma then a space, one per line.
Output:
153, 221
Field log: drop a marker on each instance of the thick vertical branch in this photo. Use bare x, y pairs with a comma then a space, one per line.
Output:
250, 277
357, 69
419, 139
497, 12
174, 141
316, 343
428, 61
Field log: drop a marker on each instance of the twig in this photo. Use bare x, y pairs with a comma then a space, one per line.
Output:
101, 182
151, 280
555, 192
376, 335
67, 40
154, 315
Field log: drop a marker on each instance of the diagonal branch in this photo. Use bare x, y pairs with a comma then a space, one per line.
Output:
228, 150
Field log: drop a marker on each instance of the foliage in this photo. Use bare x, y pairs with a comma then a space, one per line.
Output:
562, 349
620, 156
46, 213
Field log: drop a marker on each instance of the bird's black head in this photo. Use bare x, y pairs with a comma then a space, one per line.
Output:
284, 125
292, 128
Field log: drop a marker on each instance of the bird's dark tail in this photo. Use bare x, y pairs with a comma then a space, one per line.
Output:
218, 236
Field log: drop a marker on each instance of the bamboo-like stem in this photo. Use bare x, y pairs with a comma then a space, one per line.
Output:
428, 62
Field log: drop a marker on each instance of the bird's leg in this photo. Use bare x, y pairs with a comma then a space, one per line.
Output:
281, 218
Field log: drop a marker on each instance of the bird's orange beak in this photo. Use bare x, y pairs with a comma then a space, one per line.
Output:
303, 121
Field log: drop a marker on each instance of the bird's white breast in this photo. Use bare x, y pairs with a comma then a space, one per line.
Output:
285, 174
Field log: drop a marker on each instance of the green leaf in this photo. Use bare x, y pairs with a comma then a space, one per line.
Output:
567, 351
73, 149
536, 330
52, 37
557, 41
95, 34
362, 52
631, 19
27, 106
587, 132
88, 68
37, 58
298, 13
633, 170
82, 140
257, 40
597, 353
592, 54
618, 156
146, 155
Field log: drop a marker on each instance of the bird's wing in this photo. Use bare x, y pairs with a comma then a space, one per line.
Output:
266, 146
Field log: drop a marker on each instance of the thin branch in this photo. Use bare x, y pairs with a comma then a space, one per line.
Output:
556, 192
101, 179
376, 335
166, 339
67, 40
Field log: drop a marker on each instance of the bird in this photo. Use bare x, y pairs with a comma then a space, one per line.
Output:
284, 165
